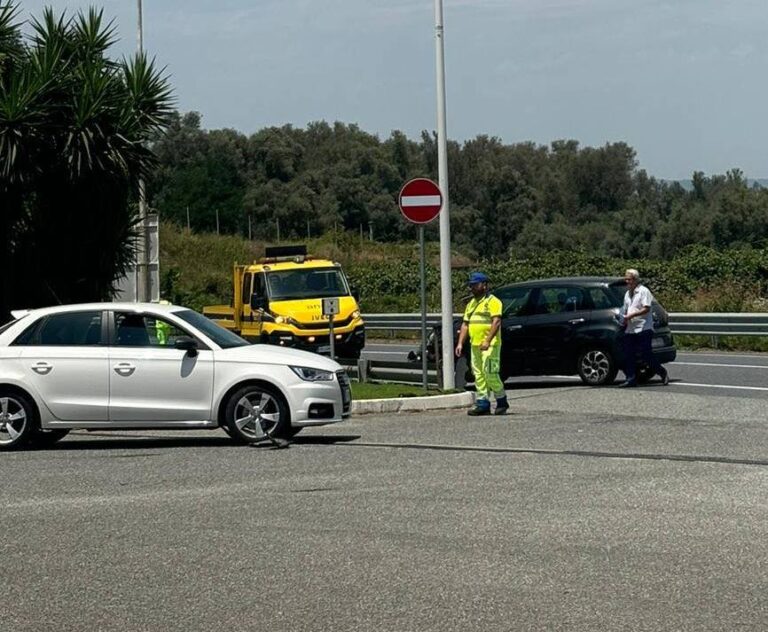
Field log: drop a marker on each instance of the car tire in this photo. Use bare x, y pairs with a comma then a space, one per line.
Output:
597, 367
257, 410
46, 438
18, 417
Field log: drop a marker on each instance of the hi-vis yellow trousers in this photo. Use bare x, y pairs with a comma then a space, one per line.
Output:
485, 367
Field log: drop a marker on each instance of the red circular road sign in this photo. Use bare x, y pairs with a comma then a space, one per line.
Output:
420, 200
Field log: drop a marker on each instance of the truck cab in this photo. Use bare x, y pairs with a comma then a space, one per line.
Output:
278, 300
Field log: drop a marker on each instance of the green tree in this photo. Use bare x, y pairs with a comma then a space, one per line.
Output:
74, 127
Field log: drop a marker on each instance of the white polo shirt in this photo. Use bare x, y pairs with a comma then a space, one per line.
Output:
641, 298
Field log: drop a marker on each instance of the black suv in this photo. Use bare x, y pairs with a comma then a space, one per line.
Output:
569, 326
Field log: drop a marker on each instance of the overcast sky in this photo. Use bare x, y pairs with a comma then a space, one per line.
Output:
681, 81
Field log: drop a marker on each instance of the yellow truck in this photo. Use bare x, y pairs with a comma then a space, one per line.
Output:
278, 300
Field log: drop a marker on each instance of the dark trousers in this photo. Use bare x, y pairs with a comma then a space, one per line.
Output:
635, 344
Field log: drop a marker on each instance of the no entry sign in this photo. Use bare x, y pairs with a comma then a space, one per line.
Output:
420, 200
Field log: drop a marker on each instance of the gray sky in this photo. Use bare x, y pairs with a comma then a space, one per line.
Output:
682, 81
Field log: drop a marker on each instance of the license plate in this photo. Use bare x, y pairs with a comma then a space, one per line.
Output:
657, 342
324, 349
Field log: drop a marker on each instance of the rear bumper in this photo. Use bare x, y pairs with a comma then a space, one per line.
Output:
665, 354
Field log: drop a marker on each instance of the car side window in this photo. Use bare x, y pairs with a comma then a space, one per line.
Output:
145, 330
514, 300
71, 329
601, 299
554, 300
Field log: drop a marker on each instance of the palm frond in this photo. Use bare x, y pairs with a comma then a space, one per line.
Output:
151, 103
90, 37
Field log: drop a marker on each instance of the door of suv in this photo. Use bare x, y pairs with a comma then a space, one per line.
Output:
516, 306
560, 316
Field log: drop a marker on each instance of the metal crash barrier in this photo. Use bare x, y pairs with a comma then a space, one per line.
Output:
714, 325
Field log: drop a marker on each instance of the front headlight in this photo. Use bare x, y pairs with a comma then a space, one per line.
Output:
312, 375
355, 314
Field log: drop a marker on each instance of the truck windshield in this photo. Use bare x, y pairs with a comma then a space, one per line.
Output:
307, 283
222, 337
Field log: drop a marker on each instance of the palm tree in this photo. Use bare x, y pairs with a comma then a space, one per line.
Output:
74, 132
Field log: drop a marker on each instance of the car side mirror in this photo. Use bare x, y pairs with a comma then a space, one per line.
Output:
185, 343
258, 302
355, 293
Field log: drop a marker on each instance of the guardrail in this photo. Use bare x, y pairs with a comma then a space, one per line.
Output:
681, 323
722, 324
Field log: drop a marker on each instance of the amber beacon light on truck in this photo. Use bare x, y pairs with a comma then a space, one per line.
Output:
278, 300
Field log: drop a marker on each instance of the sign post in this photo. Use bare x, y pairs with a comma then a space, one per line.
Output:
330, 309
420, 202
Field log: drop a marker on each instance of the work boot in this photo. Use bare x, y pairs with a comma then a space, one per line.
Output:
502, 406
481, 407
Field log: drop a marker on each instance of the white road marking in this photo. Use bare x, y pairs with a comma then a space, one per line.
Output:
728, 366
739, 388
721, 355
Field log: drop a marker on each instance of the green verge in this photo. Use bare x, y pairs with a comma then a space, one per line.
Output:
370, 390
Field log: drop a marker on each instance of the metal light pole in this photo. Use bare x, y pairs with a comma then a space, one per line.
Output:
143, 289
446, 289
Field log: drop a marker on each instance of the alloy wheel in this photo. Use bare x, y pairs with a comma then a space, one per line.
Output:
596, 366
257, 414
13, 420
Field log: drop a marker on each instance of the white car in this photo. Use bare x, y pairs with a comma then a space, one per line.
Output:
134, 365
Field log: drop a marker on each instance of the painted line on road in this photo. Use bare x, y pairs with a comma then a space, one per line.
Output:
727, 366
688, 458
721, 355
727, 386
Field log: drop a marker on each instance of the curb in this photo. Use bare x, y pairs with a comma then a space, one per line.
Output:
409, 404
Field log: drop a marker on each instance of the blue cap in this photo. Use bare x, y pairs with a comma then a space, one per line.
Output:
477, 277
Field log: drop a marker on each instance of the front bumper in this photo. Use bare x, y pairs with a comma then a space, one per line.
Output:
348, 344
321, 403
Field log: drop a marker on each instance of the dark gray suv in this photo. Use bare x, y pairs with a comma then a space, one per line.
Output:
569, 326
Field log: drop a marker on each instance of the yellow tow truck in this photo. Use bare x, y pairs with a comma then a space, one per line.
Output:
278, 300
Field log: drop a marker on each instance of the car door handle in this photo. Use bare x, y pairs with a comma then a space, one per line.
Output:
576, 321
42, 368
124, 368
513, 327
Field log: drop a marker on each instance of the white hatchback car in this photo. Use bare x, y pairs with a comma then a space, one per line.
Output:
136, 366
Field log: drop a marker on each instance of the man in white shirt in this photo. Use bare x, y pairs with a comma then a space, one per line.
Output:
637, 320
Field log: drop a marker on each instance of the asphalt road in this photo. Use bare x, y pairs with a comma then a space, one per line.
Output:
586, 509
730, 374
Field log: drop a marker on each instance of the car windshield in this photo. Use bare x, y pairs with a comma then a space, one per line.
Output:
307, 283
513, 299
222, 337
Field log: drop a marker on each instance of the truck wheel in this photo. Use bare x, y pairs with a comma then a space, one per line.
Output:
254, 411
17, 419
597, 367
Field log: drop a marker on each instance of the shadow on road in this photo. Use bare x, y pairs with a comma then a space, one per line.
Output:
79, 441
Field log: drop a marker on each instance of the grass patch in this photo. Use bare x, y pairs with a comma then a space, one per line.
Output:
370, 390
